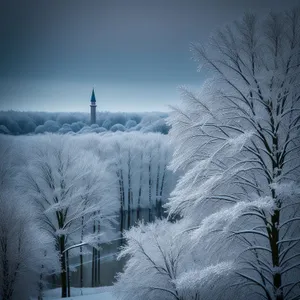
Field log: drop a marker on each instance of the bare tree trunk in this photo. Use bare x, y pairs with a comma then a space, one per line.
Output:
63, 267
98, 258
93, 268
274, 238
96, 267
41, 285
161, 191
129, 190
273, 232
150, 191
157, 198
68, 274
8, 280
5, 272
121, 224
93, 260
138, 210
40, 296
122, 197
81, 256
81, 269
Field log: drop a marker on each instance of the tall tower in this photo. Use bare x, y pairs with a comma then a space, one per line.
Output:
93, 108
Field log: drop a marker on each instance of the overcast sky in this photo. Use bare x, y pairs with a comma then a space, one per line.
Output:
134, 53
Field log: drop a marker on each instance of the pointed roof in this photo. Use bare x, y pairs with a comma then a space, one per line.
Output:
93, 97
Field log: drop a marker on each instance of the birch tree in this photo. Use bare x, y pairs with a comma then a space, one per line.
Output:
237, 141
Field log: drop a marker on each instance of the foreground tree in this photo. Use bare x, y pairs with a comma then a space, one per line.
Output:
238, 142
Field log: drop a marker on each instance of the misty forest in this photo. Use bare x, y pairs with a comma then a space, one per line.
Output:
200, 203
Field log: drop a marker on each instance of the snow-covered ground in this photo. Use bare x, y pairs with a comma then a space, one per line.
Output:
100, 293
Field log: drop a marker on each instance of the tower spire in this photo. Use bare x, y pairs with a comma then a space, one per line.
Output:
93, 97
93, 107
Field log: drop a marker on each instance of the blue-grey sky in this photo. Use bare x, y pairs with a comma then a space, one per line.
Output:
135, 53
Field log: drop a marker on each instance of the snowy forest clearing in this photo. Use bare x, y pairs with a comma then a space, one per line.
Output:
100, 293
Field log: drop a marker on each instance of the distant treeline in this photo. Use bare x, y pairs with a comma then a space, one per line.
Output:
16, 123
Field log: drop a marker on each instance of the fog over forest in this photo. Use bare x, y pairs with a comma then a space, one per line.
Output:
16, 122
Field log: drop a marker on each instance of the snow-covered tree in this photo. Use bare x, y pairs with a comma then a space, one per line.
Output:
238, 143
69, 193
23, 262
157, 255
140, 164
49, 126
117, 127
